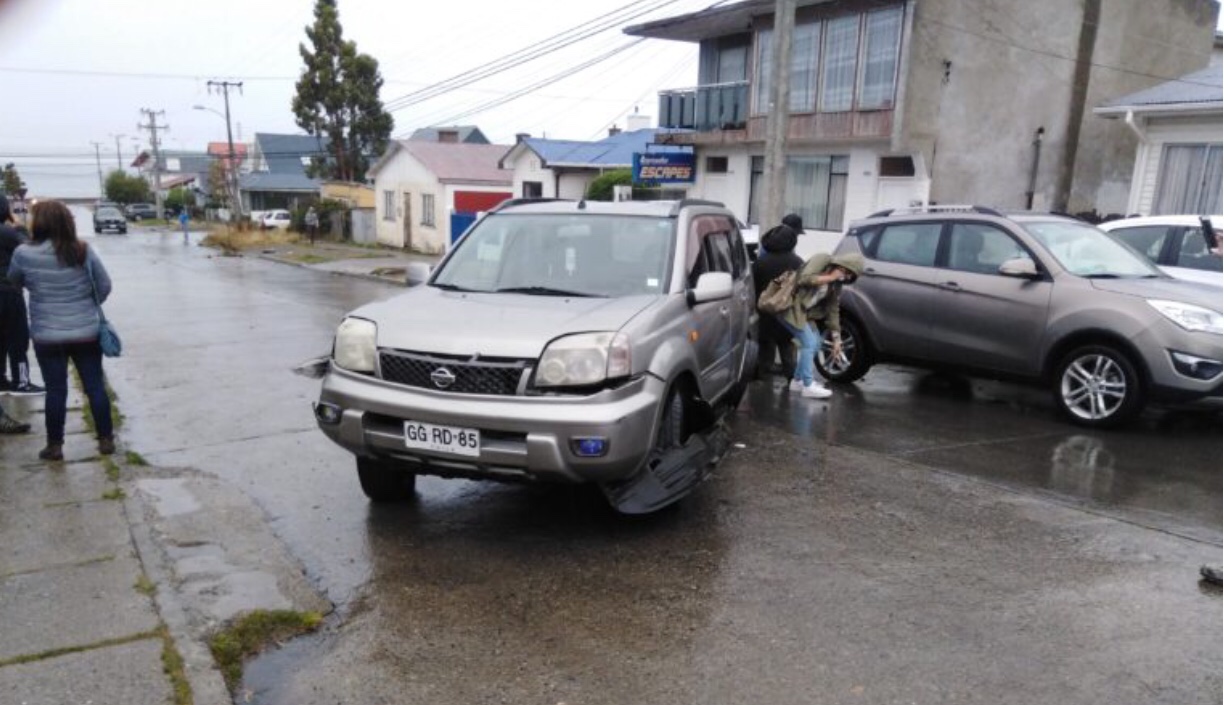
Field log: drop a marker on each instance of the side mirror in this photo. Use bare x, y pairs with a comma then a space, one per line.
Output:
1022, 267
711, 286
416, 273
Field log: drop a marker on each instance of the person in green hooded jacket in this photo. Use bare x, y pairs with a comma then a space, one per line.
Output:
817, 304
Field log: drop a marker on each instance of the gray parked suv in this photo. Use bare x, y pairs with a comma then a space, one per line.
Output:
1033, 297
558, 341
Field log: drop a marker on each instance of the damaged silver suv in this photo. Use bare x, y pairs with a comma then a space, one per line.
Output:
558, 341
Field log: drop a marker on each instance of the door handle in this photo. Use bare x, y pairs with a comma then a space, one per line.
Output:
725, 311
952, 286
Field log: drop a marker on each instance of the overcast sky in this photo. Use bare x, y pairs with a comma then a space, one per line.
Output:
75, 72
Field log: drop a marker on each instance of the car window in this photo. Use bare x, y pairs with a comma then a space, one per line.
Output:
1147, 239
109, 213
908, 243
1086, 251
981, 248
1194, 254
592, 255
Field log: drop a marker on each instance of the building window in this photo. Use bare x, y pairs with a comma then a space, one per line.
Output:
756, 182
846, 63
816, 190
427, 209
882, 37
838, 69
716, 165
388, 205
1189, 179
533, 189
896, 166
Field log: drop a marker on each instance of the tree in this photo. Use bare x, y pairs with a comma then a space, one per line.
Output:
180, 198
218, 185
600, 188
13, 185
122, 188
337, 99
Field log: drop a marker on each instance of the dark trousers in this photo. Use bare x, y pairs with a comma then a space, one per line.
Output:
775, 342
87, 358
14, 335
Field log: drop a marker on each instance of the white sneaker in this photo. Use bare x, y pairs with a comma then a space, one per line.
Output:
796, 385
815, 390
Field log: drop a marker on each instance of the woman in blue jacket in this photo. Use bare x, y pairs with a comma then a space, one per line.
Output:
56, 269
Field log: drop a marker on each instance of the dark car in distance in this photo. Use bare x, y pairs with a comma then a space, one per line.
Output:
109, 218
140, 211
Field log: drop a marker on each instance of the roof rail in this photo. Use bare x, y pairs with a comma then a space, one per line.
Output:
935, 208
684, 202
521, 201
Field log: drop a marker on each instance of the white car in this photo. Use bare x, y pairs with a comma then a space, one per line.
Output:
278, 219
1181, 245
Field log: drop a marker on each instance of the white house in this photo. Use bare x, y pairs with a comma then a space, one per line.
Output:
426, 193
1178, 158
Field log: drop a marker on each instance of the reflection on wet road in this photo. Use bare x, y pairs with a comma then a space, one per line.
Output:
915, 539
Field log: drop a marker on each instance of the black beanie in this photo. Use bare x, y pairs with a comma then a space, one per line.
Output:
794, 222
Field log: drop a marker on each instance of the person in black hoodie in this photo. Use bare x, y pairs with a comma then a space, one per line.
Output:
14, 321
777, 255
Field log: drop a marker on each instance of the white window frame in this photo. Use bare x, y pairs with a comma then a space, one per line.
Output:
388, 205
880, 95
427, 210
838, 82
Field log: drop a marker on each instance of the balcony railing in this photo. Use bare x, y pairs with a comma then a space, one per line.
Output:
718, 106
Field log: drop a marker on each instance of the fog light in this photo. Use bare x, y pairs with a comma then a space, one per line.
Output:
589, 447
327, 413
1195, 367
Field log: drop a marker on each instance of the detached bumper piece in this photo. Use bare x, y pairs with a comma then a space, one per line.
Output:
667, 477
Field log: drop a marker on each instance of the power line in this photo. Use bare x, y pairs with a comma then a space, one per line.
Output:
517, 58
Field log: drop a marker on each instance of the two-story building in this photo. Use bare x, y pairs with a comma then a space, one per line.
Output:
898, 102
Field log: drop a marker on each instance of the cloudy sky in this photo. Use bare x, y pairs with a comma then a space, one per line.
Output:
78, 72
75, 74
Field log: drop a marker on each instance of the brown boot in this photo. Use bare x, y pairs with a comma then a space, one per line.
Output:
106, 446
53, 451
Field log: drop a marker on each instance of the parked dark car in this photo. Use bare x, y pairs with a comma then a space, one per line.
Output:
109, 218
140, 211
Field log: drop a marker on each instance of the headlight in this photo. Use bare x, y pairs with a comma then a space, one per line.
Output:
355, 345
1189, 316
584, 359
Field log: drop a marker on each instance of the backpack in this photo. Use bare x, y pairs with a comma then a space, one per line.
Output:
779, 295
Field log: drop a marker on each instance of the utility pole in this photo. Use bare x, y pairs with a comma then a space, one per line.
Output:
777, 119
153, 127
232, 165
101, 182
118, 152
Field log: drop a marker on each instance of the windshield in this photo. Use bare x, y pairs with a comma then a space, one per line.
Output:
1087, 252
563, 255
109, 213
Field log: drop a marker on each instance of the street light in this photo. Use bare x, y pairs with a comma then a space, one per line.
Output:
231, 164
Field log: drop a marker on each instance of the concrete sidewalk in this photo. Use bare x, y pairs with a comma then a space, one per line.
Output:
79, 618
383, 264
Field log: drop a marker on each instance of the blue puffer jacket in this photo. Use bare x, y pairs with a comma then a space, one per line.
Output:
62, 308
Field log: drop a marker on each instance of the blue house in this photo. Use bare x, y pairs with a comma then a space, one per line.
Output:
278, 171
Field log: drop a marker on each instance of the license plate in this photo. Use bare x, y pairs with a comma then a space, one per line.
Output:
442, 439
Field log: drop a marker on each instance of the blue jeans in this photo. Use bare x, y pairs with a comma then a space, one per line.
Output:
806, 363
87, 357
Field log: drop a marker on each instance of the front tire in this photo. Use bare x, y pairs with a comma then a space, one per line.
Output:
672, 431
1098, 386
384, 481
855, 359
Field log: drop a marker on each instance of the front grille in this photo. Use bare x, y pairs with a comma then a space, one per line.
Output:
470, 376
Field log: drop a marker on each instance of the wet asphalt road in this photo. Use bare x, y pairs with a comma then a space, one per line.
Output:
914, 540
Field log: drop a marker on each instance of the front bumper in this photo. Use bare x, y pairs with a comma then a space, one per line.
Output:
522, 437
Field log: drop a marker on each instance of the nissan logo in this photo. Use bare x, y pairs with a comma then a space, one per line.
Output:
442, 378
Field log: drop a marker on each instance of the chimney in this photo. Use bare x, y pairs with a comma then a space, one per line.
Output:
638, 122
613, 131
518, 138
448, 136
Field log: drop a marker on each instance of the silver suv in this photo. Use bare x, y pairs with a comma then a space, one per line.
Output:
557, 341
1041, 298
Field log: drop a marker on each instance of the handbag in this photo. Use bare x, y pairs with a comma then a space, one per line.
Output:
108, 337
779, 296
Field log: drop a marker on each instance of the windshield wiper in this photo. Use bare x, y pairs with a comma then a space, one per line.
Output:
543, 291
450, 287
1102, 275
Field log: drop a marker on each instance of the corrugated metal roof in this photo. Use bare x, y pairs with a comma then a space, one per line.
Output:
466, 163
1199, 90
283, 153
467, 134
615, 151
272, 181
